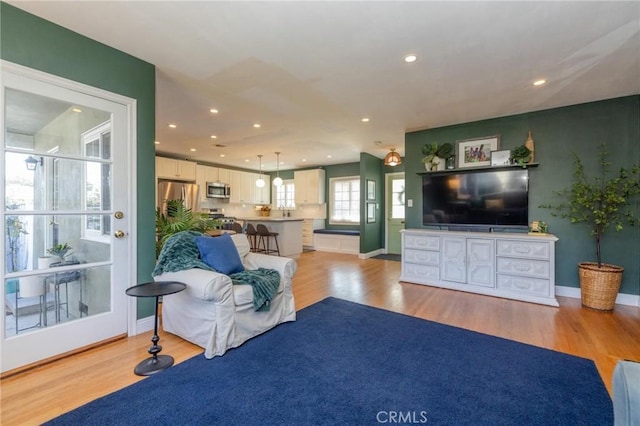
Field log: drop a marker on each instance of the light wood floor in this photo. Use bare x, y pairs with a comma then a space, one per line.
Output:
40, 394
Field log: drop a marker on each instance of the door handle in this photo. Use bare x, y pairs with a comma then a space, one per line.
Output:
118, 215
119, 234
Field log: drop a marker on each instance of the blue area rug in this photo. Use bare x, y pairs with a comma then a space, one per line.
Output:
344, 363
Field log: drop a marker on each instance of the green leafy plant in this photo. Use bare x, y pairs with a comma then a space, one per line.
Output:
179, 218
60, 250
432, 151
601, 202
521, 155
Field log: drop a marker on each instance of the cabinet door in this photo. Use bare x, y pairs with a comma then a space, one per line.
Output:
453, 266
236, 183
165, 168
224, 175
262, 195
202, 177
185, 170
481, 262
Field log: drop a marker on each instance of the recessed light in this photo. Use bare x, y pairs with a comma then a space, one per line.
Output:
304, 160
410, 58
173, 126
192, 150
246, 161
76, 109
539, 82
257, 125
156, 142
221, 155
329, 156
213, 111
365, 120
213, 137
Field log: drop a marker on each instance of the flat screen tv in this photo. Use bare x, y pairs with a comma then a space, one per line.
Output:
476, 200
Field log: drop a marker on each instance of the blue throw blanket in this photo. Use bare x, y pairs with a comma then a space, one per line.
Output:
265, 283
180, 252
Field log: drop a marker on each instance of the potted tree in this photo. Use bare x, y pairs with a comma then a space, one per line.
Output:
602, 203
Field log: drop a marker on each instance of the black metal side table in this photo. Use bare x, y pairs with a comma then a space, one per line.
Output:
155, 289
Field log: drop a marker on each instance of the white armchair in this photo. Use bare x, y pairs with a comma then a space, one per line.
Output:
217, 315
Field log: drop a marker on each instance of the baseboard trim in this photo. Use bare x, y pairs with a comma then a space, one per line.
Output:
371, 254
622, 299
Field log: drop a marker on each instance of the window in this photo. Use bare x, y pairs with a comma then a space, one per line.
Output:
285, 195
345, 200
97, 144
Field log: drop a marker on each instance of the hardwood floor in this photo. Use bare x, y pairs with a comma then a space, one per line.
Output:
40, 394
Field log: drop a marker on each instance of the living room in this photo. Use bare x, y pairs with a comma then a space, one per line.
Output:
580, 128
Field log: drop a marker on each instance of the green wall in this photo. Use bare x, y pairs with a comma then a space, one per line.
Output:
557, 133
371, 234
33, 42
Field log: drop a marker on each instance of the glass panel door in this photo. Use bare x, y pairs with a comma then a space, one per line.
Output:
64, 274
395, 211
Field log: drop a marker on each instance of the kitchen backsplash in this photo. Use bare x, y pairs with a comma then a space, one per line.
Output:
311, 211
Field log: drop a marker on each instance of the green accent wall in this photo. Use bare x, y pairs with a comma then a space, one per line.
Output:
557, 133
35, 43
371, 234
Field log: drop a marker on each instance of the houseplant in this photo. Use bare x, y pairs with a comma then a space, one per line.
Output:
601, 202
180, 218
521, 155
435, 155
60, 250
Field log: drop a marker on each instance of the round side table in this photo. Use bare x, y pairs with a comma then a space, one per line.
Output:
155, 289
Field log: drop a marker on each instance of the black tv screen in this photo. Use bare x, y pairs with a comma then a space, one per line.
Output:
480, 199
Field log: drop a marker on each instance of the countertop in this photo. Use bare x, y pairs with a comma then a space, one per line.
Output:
270, 219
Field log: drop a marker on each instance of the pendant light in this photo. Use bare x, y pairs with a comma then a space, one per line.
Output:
278, 180
260, 181
392, 158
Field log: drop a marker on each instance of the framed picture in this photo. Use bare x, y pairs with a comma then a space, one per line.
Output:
371, 212
371, 190
500, 158
476, 152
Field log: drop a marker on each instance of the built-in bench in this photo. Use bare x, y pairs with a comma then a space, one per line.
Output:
337, 240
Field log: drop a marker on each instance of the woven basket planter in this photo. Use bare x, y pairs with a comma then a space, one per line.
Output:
599, 286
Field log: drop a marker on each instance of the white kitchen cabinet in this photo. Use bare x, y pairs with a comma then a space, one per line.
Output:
244, 189
509, 265
309, 186
169, 168
262, 195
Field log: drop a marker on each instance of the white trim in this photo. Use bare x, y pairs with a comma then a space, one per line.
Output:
132, 239
144, 324
622, 299
371, 254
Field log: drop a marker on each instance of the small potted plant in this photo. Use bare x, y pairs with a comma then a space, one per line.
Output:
602, 202
60, 250
521, 155
436, 155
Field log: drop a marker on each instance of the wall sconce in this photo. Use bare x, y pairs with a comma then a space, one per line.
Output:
392, 158
32, 162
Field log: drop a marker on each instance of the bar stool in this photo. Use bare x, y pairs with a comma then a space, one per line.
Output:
236, 227
252, 236
265, 236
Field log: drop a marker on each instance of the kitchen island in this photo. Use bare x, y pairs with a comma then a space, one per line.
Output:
289, 231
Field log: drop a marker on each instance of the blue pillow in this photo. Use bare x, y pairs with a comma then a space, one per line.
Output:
220, 253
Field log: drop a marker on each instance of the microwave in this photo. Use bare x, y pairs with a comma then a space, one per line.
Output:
218, 190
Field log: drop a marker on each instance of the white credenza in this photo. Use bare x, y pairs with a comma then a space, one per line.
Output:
510, 265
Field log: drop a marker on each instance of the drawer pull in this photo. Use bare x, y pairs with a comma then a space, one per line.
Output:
522, 268
522, 285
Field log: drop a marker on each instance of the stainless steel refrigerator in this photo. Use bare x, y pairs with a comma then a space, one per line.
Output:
171, 190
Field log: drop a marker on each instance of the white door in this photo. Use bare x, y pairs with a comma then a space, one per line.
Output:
395, 191
66, 169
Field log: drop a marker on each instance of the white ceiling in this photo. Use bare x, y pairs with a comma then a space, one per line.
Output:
308, 72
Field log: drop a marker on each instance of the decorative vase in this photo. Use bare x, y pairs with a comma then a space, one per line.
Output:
599, 286
530, 144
